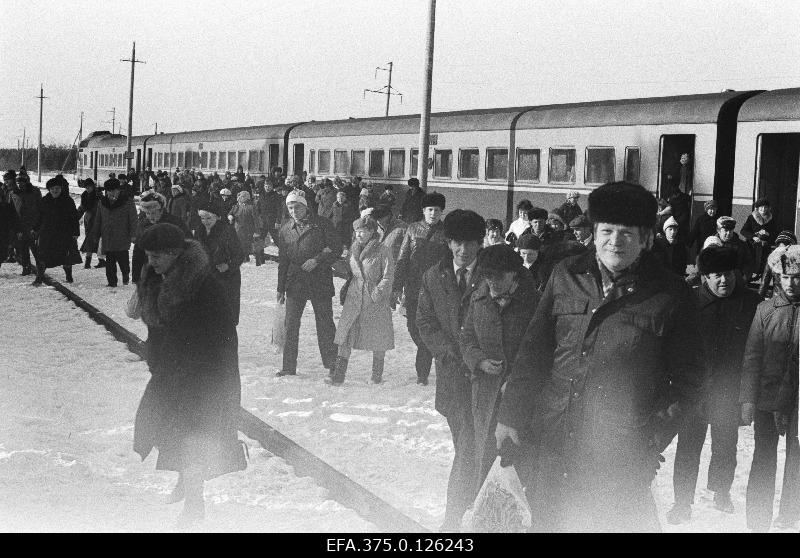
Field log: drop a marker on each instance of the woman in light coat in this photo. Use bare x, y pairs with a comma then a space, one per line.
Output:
366, 322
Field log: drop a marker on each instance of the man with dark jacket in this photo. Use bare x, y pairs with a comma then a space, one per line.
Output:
570, 209
443, 302
115, 227
725, 232
769, 394
726, 309
608, 361
411, 211
26, 199
424, 244
704, 226
153, 207
9, 227
307, 246
670, 249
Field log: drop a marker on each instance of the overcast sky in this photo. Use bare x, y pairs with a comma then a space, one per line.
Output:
213, 64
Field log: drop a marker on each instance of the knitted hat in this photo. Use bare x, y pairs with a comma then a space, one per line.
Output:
537, 213
785, 260
462, 225
177, 187
712, 241
434, 199
111, 184
716, 259
53, 182
573, 194
365, 222
726, 222
211, 207
671, 222
364, 192
623, 203
367, 211
162, 237
152, 195
296, 196
224, 192
243, 196
580, 222
709, 204
529, 242
786, 237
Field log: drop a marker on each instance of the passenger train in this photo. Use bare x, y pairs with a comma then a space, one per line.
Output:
742, 145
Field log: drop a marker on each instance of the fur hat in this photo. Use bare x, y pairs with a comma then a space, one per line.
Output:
463, 225
623, 203
413, 182
367, 211
365, 222
785, 260
494, 225
9, 174
556, 217
573, 194
726, 222
296, 196
498, 258
162, 237
709, 204
152, 195
211, 207
111, 184
434, 199
580, 222
224, 192
671, 222
761, 202
364, 192
243, 196
529, 242
88, 182
537, 213
716, 259
53, 182
786, 237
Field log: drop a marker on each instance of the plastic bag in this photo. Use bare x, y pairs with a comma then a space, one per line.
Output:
501, 505
133, 308
279, 328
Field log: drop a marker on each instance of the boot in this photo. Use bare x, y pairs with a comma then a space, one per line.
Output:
339, 372
27, 270
377, 368
88, 263
100, 263
68, 273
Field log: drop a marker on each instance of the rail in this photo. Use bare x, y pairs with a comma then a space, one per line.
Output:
341, 487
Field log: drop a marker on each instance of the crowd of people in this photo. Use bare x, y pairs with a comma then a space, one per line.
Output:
575, 345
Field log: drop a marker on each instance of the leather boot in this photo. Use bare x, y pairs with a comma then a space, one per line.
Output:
88, 263
68, 273
377, 368
339, 372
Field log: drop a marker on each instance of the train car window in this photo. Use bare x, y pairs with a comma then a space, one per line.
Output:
324, 162
376, 162
204, 159
414, 162
252, 161
261, 160
632, 164
468, 163
172, 160
397, 163
443, 163
600, 162
212, 163
528, 164
311, 161
496, 164
231, 163
242, 161
180, 159
562, 166
358, 163
341, 162
195, 159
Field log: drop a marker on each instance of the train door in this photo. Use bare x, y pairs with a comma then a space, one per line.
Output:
299, 158
138, 160
673, 173
274, 156
149, 157
778, 164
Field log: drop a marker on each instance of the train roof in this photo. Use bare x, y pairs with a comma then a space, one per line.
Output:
780, 104
105, 139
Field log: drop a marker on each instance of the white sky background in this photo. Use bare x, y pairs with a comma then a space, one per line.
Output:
213, 64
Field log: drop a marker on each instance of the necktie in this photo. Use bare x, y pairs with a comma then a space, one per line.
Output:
462, 279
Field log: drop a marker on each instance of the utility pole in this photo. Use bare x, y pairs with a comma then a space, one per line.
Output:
22, 163
79, 165
387, 88
133, 61
113, 112
155, 133
425, 116
41, 98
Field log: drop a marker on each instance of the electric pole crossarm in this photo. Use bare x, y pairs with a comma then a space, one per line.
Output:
386, 89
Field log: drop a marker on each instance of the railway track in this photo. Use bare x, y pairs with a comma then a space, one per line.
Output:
340, 487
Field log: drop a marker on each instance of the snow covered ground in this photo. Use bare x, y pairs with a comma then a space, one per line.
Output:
388, 437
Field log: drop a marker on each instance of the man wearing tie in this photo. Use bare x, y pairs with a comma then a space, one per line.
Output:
443, 302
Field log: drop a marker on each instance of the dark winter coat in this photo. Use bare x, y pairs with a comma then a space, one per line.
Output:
769, 371
246, 222
319, 240
492, 332
568, 212
190, 407
411, 211
9, 226
681, 205
440, 311
755, 223
57, 225
88, 210
744, 257
724, 326
423, 246
704, 226
272, 207
115, 223
326, 198
343, 217
180, 206
673, 256
139, 257
593, 379
223, 247
26, 200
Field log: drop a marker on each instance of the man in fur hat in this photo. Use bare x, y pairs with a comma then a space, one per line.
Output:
26, 199
726, 309
443, 302
608, 362
424, 244
769, 395
307, 246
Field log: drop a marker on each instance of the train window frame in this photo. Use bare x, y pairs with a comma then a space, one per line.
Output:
346, 162
204, 159
252, 160
173, 159
414, 168
312, 161
352, 162
550, 164
625, 176
589, 148
538, 178
486, 160
231, 157
181, 159
327, 152
437, 153
212, 159
241, 160
396, 151
382, 172
262, 158
461, 153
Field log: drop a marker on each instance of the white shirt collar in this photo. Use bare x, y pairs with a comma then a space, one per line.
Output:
470, 268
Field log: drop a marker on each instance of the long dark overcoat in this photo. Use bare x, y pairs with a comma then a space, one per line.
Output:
222, 247
190, 407
593, 379
88, 210
57, 225
319, 241
9, 226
